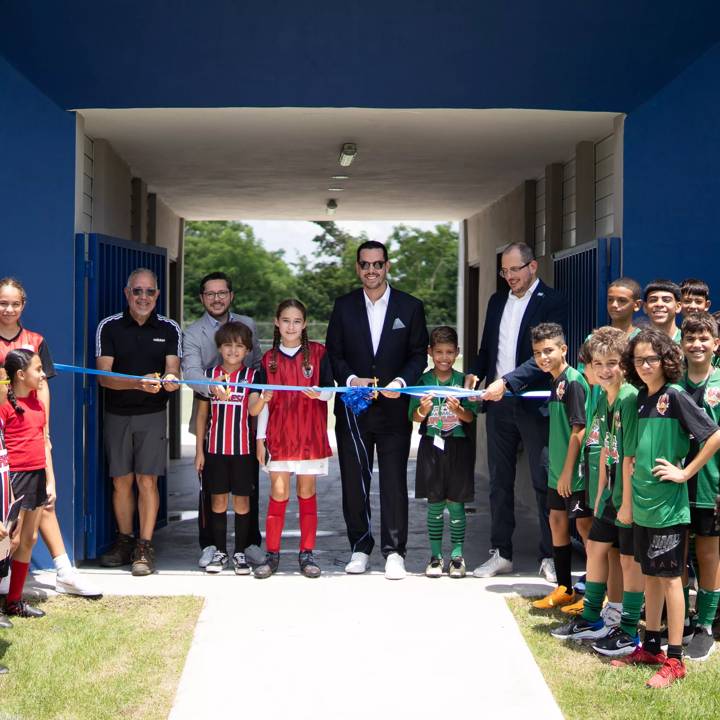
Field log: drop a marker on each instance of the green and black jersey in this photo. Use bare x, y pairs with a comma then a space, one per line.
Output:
618, 429
677, 337
704, 487
666, 420
440, 420
569, 400
593, 444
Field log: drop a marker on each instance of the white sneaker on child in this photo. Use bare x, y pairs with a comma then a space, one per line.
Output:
206, 556
496, 565
71, 582
547, 570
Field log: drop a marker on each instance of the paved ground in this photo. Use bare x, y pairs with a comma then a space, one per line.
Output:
346, 647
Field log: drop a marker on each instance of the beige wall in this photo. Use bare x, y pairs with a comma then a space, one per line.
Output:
167, 229
111, 192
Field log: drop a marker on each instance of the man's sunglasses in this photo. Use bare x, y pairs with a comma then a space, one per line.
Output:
138, 291
377, 265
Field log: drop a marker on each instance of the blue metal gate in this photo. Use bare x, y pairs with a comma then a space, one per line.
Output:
103, 265
583, 273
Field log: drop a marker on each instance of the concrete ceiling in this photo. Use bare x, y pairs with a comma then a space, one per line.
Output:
277, 163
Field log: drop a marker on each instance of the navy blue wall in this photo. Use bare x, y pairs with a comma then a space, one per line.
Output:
37, 200
672, 179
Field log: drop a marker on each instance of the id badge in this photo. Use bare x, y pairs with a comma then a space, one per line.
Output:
439, 442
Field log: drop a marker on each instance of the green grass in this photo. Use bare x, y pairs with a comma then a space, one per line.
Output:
119, 657
585, 686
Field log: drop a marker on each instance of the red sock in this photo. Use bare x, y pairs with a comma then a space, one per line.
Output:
19, 572
308, 522
274, 524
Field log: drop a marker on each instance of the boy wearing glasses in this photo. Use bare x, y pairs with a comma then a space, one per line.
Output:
137, 341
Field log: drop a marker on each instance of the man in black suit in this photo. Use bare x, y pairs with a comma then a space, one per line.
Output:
506, 363
376, 333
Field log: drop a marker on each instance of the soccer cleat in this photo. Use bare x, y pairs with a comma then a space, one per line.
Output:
547, 570
22, 609
580, 629
269, 567
611, 615
671, 670
701, 646
575, 608
557, 598
640, 657
434, 568
496, 565
616, 643
308, 565
218, 563
240, 564
457, 568
206, 556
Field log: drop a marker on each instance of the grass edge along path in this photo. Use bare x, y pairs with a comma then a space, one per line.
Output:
586, 687
118, 657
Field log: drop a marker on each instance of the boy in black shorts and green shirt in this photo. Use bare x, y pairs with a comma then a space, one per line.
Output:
702, 382
445, 472
667, 417
566, 487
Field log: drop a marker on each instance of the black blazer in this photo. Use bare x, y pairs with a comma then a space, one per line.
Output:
402, 351
546, 305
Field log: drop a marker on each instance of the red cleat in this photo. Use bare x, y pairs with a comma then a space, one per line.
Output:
672, 670
640, 657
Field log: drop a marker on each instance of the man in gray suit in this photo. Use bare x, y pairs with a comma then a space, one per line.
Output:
199, 354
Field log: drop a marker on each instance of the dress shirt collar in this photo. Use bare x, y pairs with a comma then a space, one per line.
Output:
384, 299
527, 295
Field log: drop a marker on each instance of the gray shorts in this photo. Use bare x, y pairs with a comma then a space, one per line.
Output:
136, 443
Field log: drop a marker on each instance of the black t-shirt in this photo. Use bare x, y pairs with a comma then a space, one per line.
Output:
137, 350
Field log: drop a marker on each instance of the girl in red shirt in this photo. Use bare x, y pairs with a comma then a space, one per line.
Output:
295, 440
31, 475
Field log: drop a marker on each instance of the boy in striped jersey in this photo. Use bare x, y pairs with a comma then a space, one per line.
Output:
225, 447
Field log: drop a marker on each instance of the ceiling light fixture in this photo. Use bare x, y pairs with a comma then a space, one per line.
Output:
340, 177
347, 154
335, 189
331, 206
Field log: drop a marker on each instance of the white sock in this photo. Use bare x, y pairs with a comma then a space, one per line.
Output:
617, 606
62, 564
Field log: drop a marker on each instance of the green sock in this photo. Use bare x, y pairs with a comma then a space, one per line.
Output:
632, 604
457, 527
594, 596
707, 603
686, 595
436, 525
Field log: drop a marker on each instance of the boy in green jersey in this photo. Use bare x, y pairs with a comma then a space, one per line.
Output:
695, 296
445, 473
667, 417
702, 382
662, 305
624, 299
566, 487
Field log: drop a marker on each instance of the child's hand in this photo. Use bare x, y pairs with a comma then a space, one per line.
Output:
50, 491
426, 402
624, 515
563, 486
3, 532
266, 395
453, 405
260, 451
665, 470
313, 393
199, 461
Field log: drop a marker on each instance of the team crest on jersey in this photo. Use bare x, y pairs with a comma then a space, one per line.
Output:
308, 371
712, 396
560, 391
594, 434
616, 419
663, 403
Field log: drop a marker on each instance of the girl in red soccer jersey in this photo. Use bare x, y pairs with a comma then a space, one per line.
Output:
5, 496
295, 440
31, 476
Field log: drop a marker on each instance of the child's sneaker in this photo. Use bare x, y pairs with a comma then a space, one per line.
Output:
269, 567
688, 631
308, 566
241, 564
434, 568
701, 646
611, 615
575, 608
580, 629
457, 567
218, 563
557, 598
640, 657
672, 670
616, 643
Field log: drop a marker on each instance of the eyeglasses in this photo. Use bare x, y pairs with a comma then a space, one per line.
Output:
4, 305
220, 294
138, 291
650, 360
513, 270
377, 265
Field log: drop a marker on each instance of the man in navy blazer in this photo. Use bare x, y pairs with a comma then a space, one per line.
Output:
376, 333
505, 362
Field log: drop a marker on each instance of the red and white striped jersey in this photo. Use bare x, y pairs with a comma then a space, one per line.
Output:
4, 477
229, 427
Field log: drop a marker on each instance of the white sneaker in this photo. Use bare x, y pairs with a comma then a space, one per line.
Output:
496, 565
73, 583
359, 563
207, 556
5, 584
611, 615
547, 570
395, 567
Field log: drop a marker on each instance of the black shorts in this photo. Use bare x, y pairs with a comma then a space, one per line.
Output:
661, 551
229, 474
704, 522
31, 485
575, 506
447, 474
607, 532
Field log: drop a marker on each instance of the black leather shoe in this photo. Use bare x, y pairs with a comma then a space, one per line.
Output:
22, 609
308, 567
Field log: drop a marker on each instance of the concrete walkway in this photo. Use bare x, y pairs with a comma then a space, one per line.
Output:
345, 647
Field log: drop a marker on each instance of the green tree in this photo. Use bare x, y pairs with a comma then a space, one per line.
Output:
425, 263
260, 278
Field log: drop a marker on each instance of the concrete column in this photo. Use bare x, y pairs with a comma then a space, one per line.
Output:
619, 135
584, 192
139, 211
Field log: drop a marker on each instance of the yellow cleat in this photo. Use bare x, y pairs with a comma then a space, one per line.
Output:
574, 608
557, 598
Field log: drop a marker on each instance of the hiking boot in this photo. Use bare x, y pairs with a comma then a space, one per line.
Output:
120, 553
143, 560
269, 567
456, 569
308, 567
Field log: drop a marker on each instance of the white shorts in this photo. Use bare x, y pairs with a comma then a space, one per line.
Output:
299, 467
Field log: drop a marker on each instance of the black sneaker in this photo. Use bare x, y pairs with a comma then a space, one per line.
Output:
120, 553
688, 631
580, 629
616, 643
241, 565
218, 563
22, 609
269, 567
308, 567
701, 646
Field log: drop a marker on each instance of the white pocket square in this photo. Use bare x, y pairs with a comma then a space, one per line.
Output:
398, 324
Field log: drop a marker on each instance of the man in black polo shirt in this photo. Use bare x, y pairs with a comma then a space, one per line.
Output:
137, 341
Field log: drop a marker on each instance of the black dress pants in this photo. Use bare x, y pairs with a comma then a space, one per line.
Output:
509, 422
